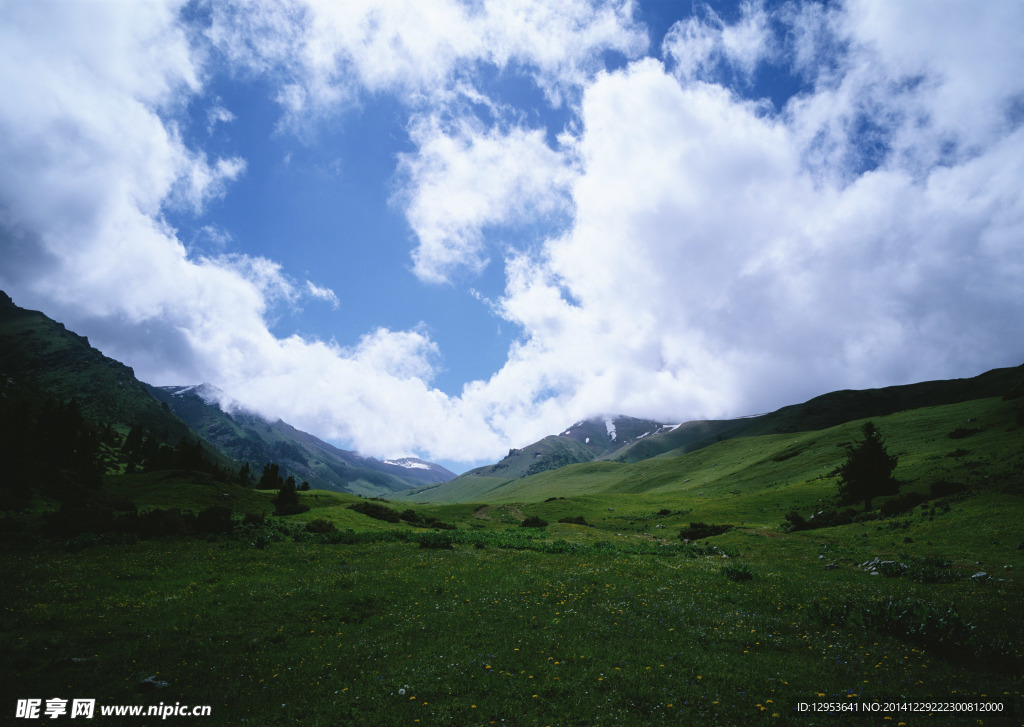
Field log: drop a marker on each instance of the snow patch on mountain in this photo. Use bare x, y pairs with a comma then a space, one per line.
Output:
408, 463
610, 426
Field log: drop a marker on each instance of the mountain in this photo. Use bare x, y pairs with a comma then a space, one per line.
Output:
606, 443
248, 437
828, 410
41, 355
584, 441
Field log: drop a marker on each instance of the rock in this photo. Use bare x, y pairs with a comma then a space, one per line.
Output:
150, 684
831, 566
980, 576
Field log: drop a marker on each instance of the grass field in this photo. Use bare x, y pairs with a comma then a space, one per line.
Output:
611, 622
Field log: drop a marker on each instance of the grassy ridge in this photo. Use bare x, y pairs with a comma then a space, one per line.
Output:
784, 470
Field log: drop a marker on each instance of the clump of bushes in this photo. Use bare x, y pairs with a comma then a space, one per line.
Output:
945, 488
794, 521
578, 520
699, 531
376, 511
738, 573
902, 504
436, 541
319, 526
215, 520
418, 521
963, 432
533, 522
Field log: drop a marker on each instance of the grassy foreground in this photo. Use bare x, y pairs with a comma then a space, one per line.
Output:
387, 633
613, 620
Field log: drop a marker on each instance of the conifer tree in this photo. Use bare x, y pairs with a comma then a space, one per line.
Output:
867, 471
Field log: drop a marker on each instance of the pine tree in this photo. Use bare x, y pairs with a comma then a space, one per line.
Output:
867, 472
287, 500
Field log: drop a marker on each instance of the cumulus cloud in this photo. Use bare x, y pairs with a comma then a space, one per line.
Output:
326, 54
703, 254
717, 266
466, 178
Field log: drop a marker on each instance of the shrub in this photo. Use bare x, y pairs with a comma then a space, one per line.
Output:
378, 512
737, 573
698, 531
901, 504
578, 520
412, 517
319, 526
436, 540
254, 518
945, 488
963, 433
440, 525
161, 523
533, 522
215, 520
794, 521
831, 518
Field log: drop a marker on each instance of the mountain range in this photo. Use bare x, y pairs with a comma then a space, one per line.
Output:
40, 358
247, 437
627, 440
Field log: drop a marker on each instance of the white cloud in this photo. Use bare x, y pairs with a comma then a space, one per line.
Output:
716, 259
322, 293
328, 53
698, 45
468, 178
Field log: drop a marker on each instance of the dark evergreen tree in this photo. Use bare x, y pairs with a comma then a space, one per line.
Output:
245, 475
867, 471
287, 500
271, 478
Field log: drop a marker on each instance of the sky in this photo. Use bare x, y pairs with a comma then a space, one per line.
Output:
450, 228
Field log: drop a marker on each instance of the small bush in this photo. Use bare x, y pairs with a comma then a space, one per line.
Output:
319, 526
161, 523
533, 522
436, 541
578, 520
215, 520
794, 521
254, 518
945, 488
434, 523
737, 573
831, 518
412, 517
902, 504
699, 531
378, 512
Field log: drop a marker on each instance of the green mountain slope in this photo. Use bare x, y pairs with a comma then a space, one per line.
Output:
247, 437
826, 411
947, 442
600, 437
41, 354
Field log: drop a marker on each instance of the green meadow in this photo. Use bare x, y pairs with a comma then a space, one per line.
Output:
456, 614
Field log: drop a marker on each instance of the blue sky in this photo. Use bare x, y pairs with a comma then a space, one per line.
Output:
450, 228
